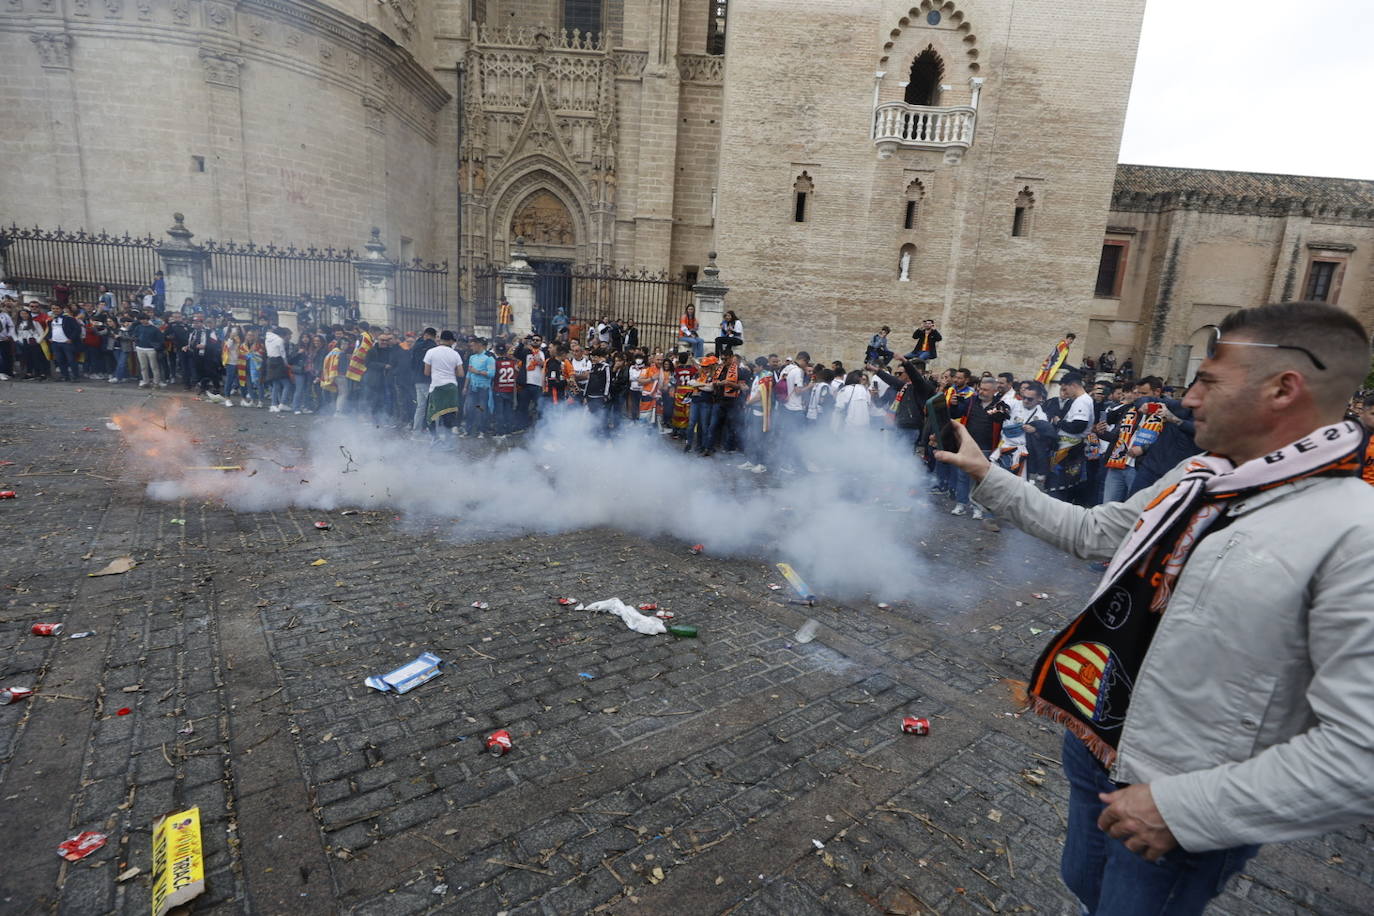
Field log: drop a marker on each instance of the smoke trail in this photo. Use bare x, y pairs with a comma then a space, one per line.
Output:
834, 524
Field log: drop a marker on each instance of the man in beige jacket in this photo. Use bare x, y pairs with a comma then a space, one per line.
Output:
1217, 691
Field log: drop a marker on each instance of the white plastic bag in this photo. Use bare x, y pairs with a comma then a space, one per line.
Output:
649, 626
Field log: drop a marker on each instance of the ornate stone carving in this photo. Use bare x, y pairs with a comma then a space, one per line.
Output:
631, 63
14, 6
374, 111
81, 7
355, 63
701, 68
256, 27
54, 49
543, 219
326, 52
145, 9
114, 8
221, 69
181, 12
47, 6
293, 38
538, 36
217, 16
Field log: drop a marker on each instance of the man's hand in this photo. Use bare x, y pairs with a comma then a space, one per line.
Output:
1136, 451
969, 459
1167, 415
1131, 816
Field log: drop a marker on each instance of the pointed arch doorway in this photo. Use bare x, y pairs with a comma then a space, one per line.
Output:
545, 223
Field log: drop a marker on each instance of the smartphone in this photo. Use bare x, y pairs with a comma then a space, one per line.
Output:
944, 427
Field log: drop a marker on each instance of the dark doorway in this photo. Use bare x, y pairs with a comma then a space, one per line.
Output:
923, 85
552, 291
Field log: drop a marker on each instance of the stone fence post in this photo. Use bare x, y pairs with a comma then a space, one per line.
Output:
517, 278
376, 282
183, 264
710, 300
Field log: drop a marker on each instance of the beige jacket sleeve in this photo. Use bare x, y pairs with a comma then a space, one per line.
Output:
1092, 534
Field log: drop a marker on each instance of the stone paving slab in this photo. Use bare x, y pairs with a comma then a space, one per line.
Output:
692, 776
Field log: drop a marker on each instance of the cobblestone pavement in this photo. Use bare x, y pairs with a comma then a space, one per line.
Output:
649, 775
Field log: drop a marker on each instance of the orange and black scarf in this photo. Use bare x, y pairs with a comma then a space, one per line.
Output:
1085, 677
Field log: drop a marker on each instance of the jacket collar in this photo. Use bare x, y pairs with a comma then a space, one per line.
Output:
1248, 504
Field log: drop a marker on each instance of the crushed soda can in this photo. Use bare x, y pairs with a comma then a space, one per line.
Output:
914, 726
323, 526
481, 605
82, 635
8, 494
9, 694
47, 629
412, 674
349, 512
499, 743
83, 844
648, 606
773, 587
664, 615
698, 548
567, 602
1041, 595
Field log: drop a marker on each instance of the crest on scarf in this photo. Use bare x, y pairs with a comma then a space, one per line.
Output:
1091, 675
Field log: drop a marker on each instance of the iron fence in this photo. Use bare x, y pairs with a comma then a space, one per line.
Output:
422, 297
585, 294
46, 260
253, 276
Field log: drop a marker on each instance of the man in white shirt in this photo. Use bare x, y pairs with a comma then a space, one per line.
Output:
1067, 467
582, 367
444, 366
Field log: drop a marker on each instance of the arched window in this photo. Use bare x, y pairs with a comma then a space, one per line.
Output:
715, 26
583, 15
802, 189
1021, 218
915, 194
927, 72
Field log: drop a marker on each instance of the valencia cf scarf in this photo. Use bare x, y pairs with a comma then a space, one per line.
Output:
1085, 677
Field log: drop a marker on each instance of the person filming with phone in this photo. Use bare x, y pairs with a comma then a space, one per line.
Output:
1217, 691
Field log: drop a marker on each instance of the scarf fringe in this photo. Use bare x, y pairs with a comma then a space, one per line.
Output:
1100, 749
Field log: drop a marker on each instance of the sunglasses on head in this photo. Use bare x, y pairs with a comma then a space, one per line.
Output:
1215, 341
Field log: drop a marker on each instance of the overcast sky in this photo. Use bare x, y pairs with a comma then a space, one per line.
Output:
1255, 86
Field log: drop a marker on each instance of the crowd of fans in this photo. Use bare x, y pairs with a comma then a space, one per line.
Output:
1093, 440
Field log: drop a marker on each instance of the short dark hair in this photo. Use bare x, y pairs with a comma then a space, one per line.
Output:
1073, 378
1155, 382
1008, 376
430, 332
1333, 334
968, 373
446, 335
1070, 336
802, 354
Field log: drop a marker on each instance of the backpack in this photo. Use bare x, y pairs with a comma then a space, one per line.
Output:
780, 388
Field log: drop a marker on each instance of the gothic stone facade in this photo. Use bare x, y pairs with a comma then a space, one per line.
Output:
1186, 247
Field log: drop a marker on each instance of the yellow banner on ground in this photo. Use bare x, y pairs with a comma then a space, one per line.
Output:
178, 860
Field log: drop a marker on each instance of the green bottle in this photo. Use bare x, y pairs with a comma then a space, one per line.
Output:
683, 631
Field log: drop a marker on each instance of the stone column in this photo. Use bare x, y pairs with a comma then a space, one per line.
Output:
710, 300
376, 282
183, 264
517, 278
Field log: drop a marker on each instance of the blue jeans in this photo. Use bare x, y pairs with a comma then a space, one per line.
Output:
121, 364
300, 384
278, 387
476, 403
698, 345
64, 358
1109, 879
421, 418
699, 424
1116, 487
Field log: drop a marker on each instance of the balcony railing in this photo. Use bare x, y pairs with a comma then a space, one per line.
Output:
897, 124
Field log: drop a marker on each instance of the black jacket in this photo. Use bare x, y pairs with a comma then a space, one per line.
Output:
599, 380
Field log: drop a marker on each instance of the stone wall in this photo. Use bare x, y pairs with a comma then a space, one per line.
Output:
313, 121
799, 97
1193, 257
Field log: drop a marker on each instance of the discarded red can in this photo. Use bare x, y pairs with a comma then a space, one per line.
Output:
81, 845
664, 615
698, 548
481, 605
914, 726
323, 526
47, 629
9, 694
650, 606
567, 601
123, 711
499, 743
8, 494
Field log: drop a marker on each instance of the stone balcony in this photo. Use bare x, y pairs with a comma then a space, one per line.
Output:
899, 125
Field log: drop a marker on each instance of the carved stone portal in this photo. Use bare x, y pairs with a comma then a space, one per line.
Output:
543, 219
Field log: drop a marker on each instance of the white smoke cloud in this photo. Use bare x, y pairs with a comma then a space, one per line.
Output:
845, 526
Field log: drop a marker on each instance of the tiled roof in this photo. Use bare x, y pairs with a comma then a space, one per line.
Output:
1159, 179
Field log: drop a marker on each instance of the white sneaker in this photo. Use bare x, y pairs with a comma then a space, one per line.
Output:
297, 413
978, 513
305, 410
958, 509
111, 379
747, 466
227, 402
759, 469
143, 384
275, 408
